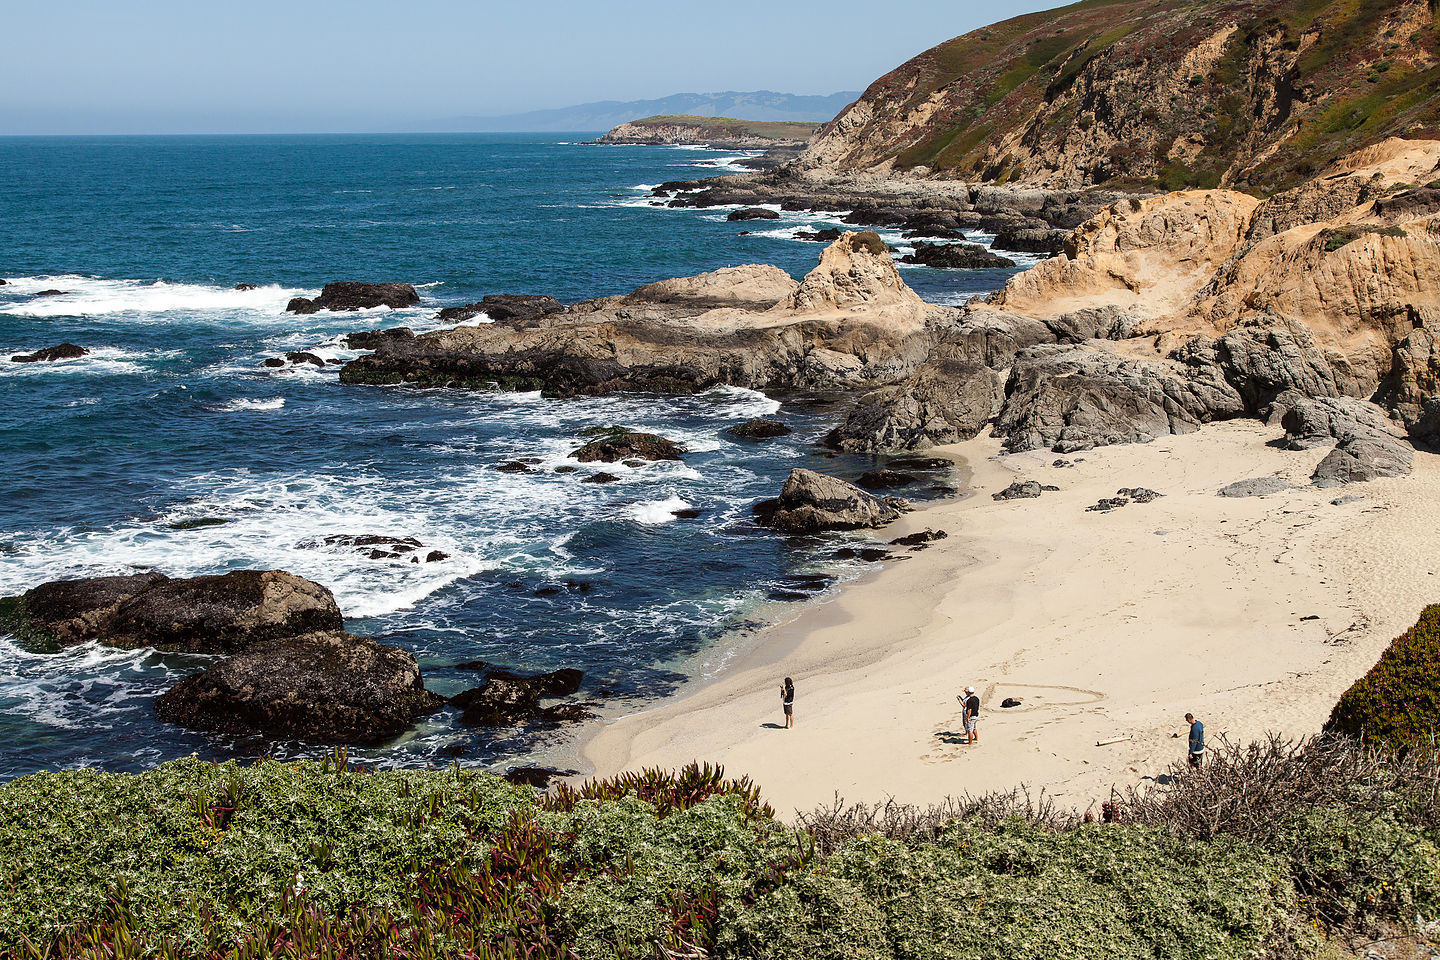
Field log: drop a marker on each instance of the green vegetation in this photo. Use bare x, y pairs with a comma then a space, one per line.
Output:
1276, 847
1397, 704
1336, 238
730, 127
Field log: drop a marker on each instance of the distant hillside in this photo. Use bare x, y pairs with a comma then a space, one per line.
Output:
716, 130
1171, 93
755, 105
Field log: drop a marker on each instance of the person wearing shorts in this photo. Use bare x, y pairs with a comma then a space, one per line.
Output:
787, 700
972, 715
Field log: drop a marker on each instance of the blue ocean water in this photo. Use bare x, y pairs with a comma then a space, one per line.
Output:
108, 461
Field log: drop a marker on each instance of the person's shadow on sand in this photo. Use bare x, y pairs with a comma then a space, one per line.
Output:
952, 737
772, 726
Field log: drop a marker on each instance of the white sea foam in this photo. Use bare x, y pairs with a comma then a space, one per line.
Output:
100, 361
658, 511
248, 403
88, 297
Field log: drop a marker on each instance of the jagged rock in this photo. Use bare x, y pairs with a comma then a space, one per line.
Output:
885, 479
65, 351
514, 466
758, 430
601, 477
1106, 504
613, 444
1019, 490
1266, 356
1255, 487
811, 502
327, 687
435, 556
300, 356
1369, 444
827, 235
213, 614
371, 339
948, 401
1073, 398
273, 362
956, 256
349, 295
245, 286
1032, 240
500, 307
507, 698
1139, 494
753, 213
919, 539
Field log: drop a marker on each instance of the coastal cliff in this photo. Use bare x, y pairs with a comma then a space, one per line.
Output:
1253, 94
715, 131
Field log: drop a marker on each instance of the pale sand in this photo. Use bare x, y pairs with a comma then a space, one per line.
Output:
1105, 625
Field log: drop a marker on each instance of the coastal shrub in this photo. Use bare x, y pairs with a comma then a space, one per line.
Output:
1335, 238
1020, 892
1397, 704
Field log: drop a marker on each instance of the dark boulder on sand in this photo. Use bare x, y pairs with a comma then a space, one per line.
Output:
612, 444
330, 687
65, 351
812, 502
348, 295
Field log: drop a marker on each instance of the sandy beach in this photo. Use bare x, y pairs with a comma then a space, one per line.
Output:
1253, 613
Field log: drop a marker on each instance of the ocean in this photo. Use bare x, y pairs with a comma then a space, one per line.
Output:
171, 447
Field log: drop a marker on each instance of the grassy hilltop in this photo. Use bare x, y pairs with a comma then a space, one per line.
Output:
1154, 93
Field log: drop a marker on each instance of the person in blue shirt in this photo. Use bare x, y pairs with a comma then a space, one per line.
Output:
1197, 741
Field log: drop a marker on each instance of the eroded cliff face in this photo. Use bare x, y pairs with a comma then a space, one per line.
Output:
1254, 94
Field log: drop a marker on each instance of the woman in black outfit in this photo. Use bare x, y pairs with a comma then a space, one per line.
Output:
787, 698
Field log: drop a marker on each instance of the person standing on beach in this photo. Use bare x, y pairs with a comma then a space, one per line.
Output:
787, 700
1197, 741
971, 702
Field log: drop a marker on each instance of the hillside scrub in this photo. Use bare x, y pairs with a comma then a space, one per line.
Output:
1275, 845
1397, 704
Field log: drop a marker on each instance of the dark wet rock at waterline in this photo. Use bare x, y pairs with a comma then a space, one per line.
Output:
302, 356
759, 429
752, 213
612, 444
827, 235
273, 362
601, 477
919, 539
51, 293
510, 699
885, 479
956, 256
245, 286
349, 295
64, 351
370, 339
500, 307
812, 502
328, 687
538, 777
211, 614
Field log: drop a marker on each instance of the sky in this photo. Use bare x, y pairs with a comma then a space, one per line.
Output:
320, 66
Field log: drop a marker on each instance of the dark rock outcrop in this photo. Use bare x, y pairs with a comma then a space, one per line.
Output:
212, 614
503, 307
758, 430
327, 687
349, 295
812, 502
885, 479
601, 477
65, 351
1019, 490
371, 339
302, 356
1367, 443
613, 444
947, 401
508, 699
1032, 240
752, 213
956, 256
1255, 487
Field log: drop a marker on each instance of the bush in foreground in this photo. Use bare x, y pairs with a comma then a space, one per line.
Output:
1397, 704
307, 860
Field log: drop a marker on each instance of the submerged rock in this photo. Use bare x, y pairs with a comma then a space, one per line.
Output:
812, 502
330, 687
349, 295
65, 351
612, 444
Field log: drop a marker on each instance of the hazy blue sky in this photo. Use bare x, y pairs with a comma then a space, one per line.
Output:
161, 66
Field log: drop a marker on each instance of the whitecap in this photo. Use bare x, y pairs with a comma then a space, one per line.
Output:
658, 511
247, 403
89, 296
